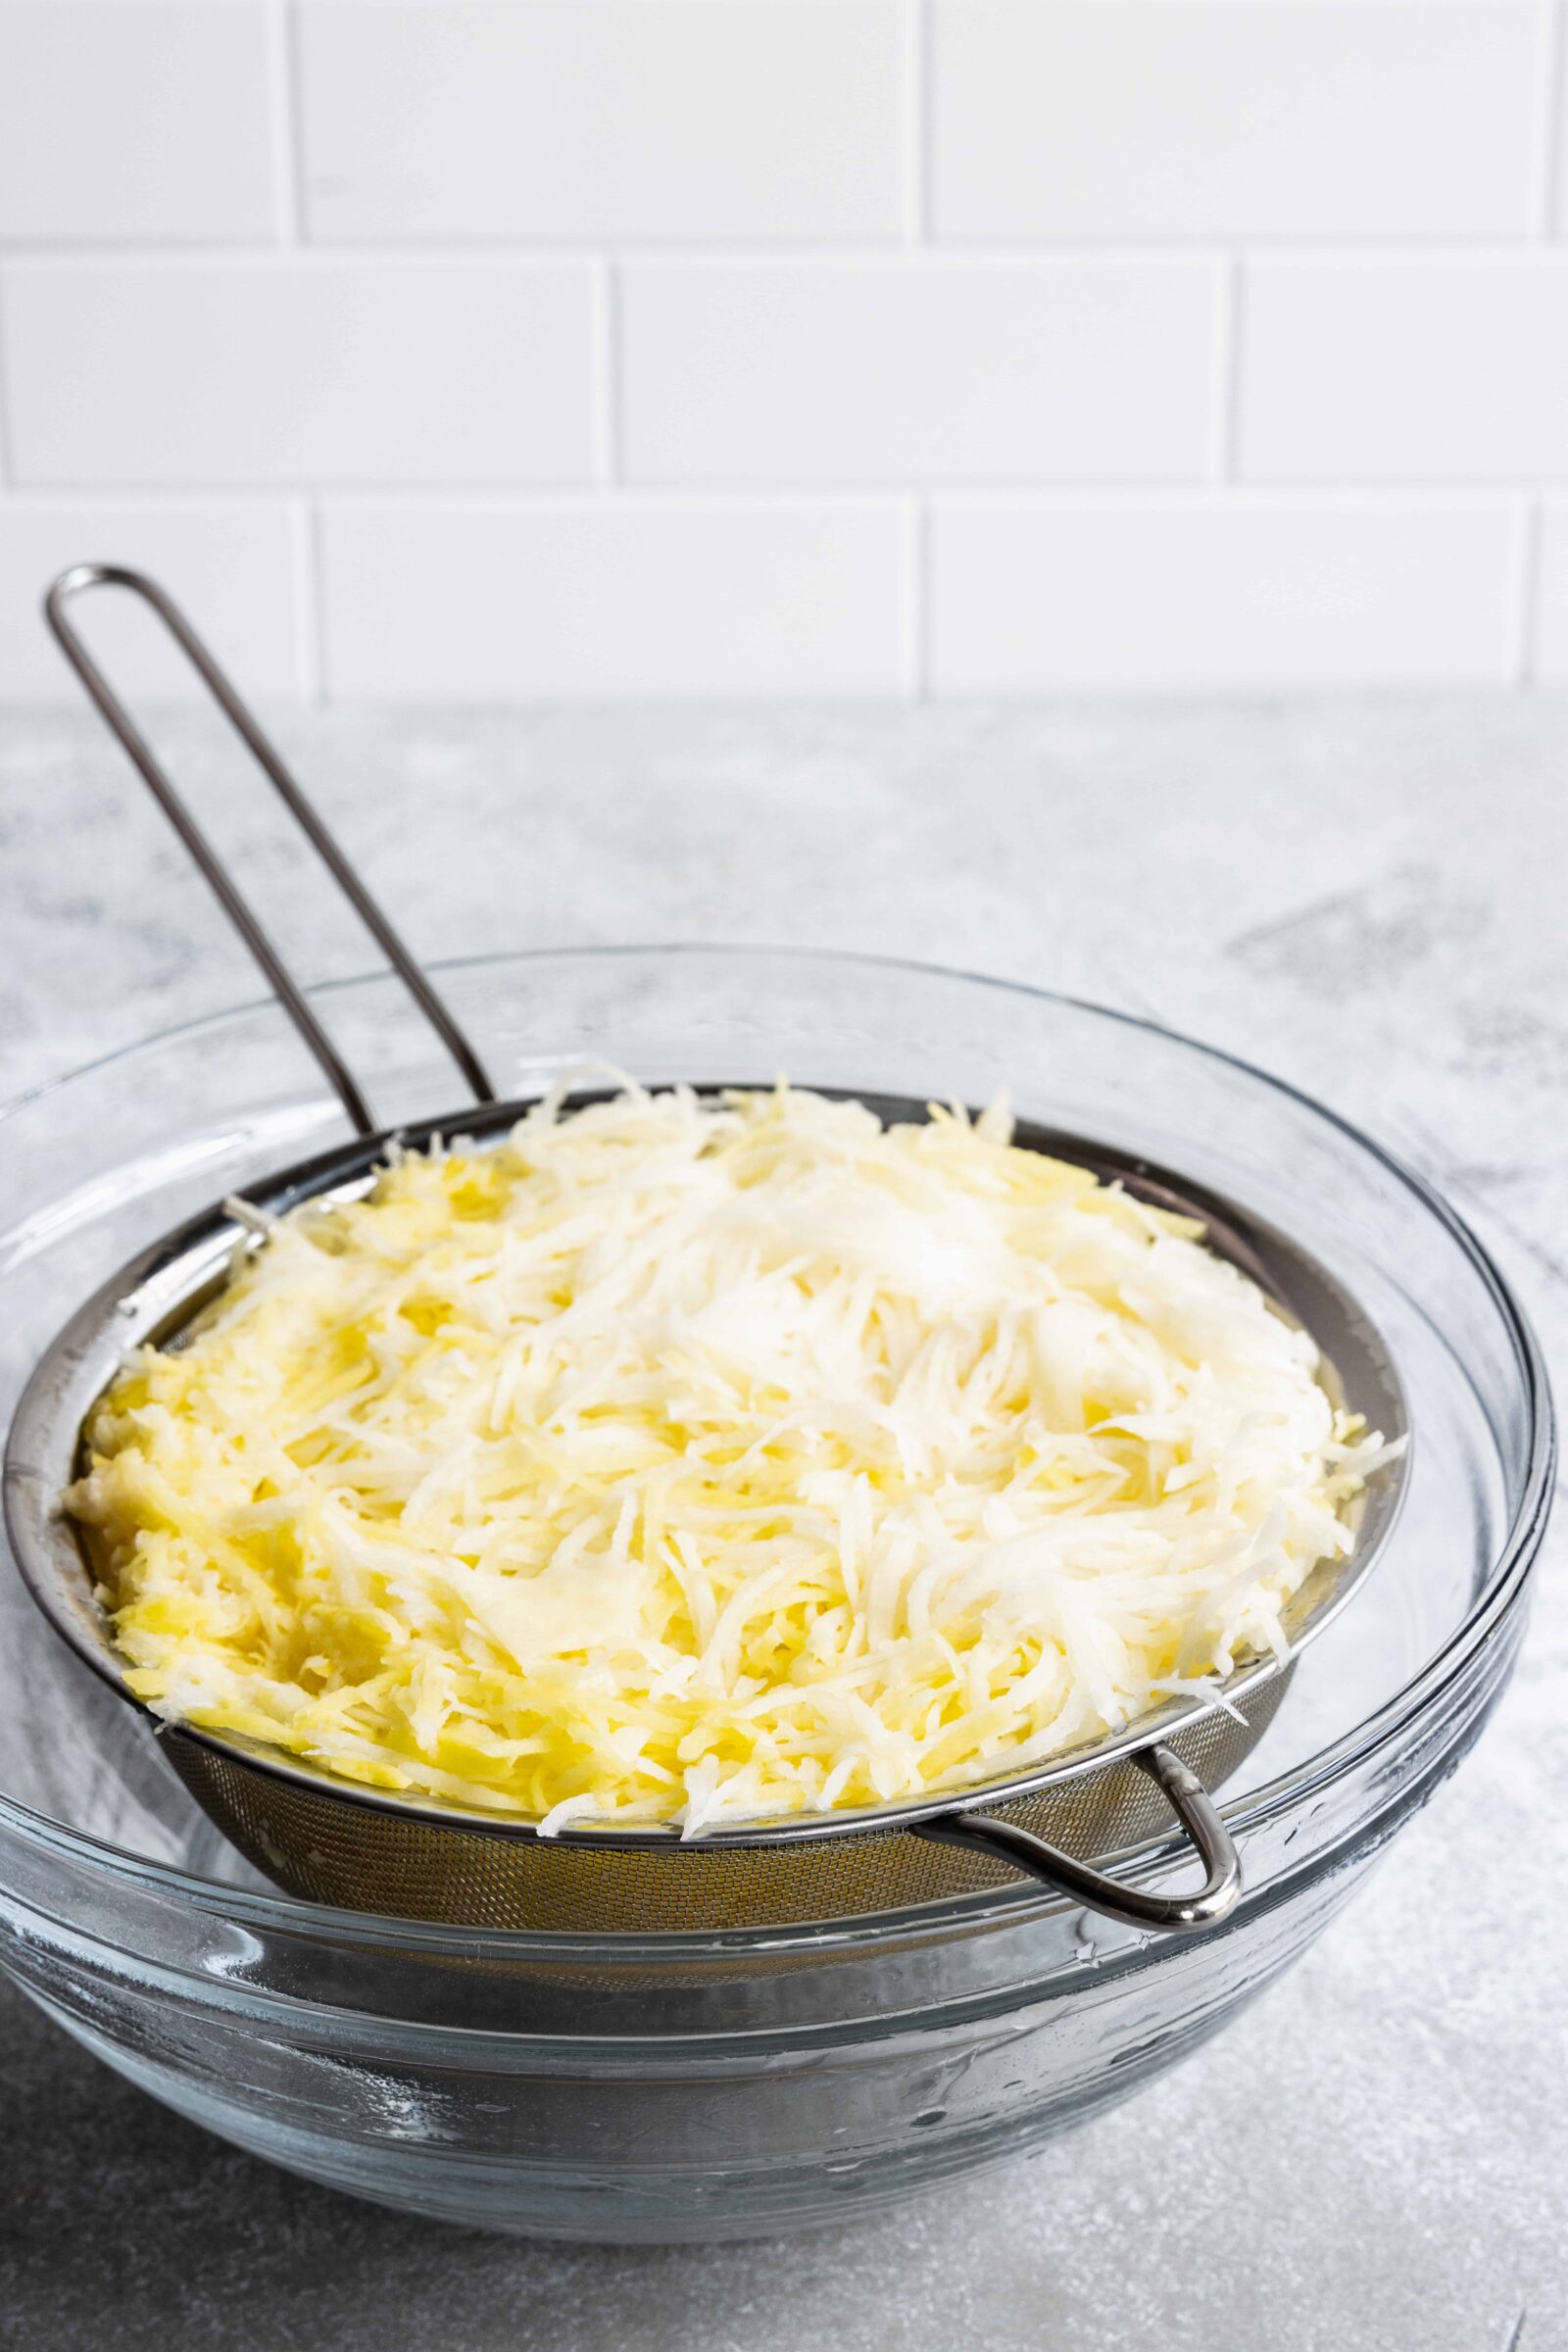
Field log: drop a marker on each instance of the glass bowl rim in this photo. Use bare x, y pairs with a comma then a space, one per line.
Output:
1515, 1552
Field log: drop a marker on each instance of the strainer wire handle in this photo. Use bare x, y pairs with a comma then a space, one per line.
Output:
1194, 1808
290, 995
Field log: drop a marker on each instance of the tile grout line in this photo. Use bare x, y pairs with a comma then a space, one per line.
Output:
164, 498
7, 474
918, 159
1527, 591
1547, 137
1226, 429
913, 630
1237, 384
1503, 249
1193, 493
307, 530
305, 571
918, 218
318, 671
605, 393
928, 598
288, 211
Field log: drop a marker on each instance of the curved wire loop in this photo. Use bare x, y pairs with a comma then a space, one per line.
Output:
84, 576
1194, 1808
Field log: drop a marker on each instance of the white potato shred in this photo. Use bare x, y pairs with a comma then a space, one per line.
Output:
708, 1460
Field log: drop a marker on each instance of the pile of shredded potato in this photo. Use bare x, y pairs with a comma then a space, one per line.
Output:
693, 1461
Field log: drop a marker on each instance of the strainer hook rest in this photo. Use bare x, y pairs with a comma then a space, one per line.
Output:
1194, 1808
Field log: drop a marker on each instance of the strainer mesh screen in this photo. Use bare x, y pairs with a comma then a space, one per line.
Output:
361, 1859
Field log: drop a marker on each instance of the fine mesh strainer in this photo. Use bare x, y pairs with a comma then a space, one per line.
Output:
333, 1841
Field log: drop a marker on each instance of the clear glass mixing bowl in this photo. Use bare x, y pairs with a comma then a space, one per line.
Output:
700, 2086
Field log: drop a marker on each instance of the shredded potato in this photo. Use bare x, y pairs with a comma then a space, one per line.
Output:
686, 1461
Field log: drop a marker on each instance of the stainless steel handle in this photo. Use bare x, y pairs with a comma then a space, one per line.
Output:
238, 910
1194, 1808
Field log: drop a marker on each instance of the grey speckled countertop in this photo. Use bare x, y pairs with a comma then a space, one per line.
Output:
1368, 898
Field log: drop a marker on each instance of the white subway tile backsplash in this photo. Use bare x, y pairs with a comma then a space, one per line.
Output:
627, 119
921, 370
602, 599
1040, 599
1409, 370
626, 340
232, 566
1210, 118
299, 370
135, 118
